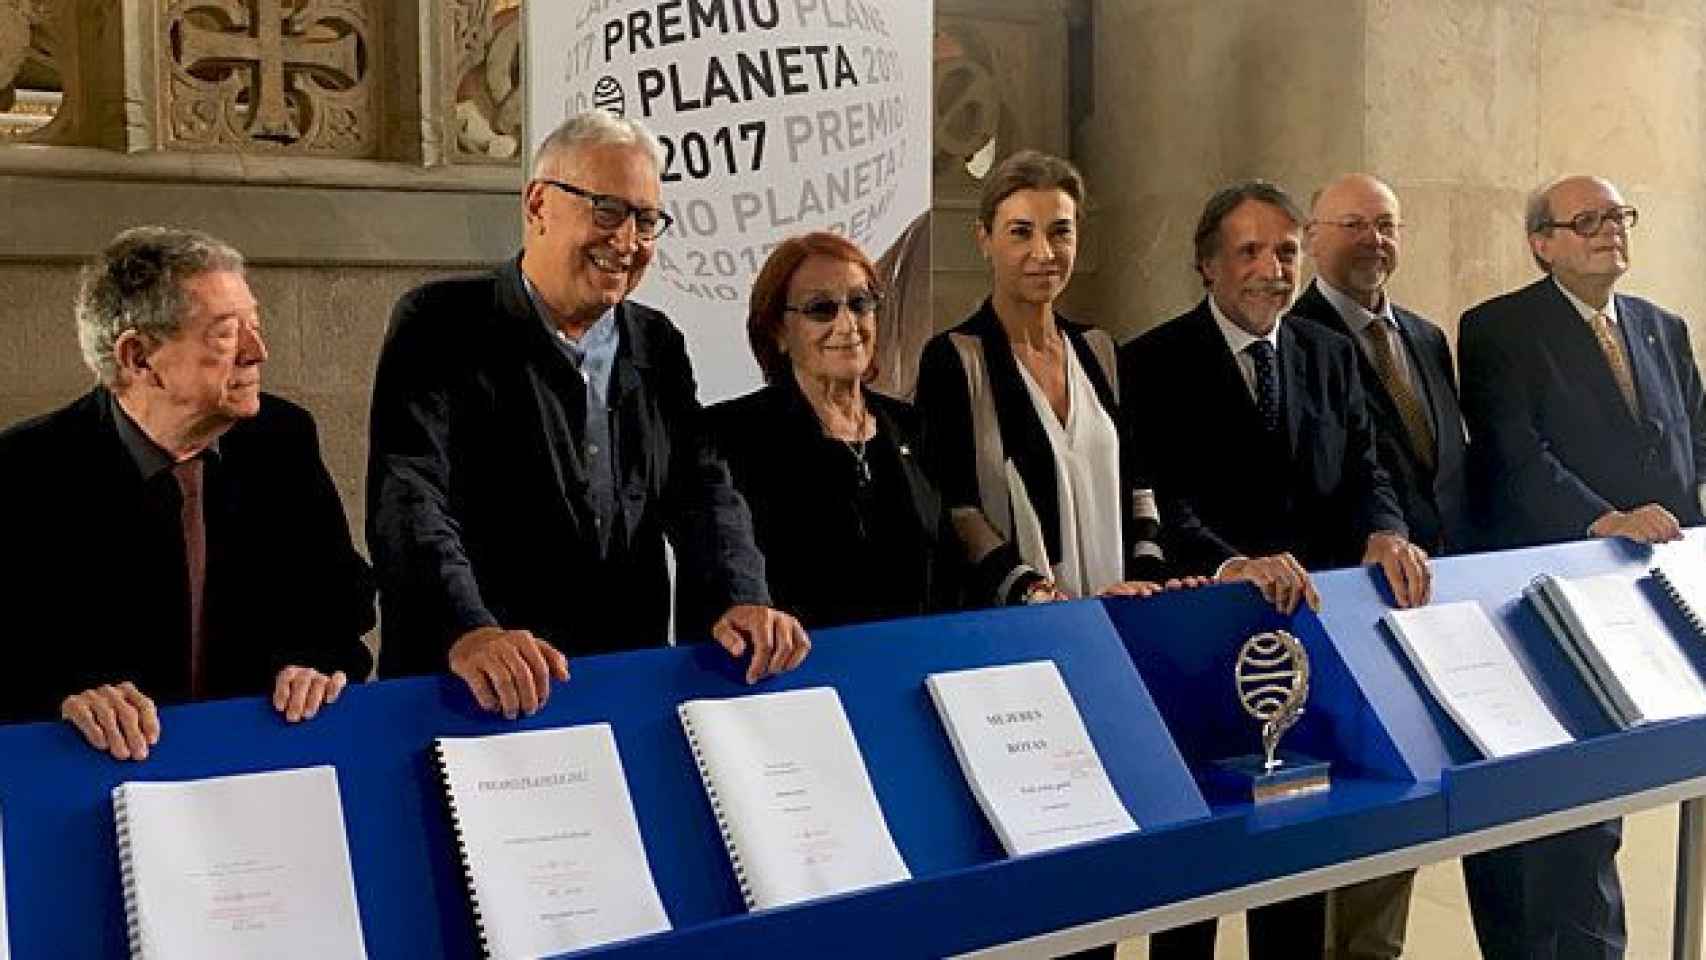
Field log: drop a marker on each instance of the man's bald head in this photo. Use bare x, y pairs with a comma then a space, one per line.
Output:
1354, 236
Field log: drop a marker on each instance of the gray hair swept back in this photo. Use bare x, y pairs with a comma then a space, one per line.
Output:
597, 128
137, 283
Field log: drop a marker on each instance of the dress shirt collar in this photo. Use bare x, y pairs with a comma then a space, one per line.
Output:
1237, 338
1356, 316
150, 458
1582, 306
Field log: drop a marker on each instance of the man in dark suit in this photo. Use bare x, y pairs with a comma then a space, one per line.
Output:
1354, 237
1588, 419
1257, 437
536, 436
192, 508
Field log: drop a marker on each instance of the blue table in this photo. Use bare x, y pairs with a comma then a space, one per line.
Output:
1152, 679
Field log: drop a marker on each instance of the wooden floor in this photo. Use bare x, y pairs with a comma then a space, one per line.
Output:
1439, 914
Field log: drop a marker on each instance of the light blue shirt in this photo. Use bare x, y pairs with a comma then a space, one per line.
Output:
594, 355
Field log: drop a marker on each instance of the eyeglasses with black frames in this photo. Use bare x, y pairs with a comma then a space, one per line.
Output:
863, 303
1588, 222
610, 212
1385, 227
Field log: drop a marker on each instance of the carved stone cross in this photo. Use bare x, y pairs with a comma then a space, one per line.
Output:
275, 47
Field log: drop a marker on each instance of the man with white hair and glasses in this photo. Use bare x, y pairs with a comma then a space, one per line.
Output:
537, 437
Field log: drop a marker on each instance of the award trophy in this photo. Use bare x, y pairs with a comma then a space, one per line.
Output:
1272, 679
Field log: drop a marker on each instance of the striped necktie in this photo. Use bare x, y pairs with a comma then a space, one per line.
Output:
1611, 345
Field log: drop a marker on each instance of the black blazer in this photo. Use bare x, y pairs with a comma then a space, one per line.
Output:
768, 438
1434, 499
1555, 446
478, 510
1225, 488
95, 568
944, 402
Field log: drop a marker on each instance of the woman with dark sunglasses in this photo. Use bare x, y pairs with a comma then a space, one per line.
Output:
841, 507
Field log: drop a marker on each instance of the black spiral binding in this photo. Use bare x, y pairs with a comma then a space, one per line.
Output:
127, 872
461, 848
1672, 591
717, 808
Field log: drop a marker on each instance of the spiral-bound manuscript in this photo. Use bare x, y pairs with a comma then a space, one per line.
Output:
548, 841
268, 875
710, 782
1685, 584
790, 795
461, 847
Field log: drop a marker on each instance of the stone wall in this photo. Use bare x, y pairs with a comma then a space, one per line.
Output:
1463, 105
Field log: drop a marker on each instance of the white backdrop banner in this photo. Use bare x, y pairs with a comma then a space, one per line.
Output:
777, 117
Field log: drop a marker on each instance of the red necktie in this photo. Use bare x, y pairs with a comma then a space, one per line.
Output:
189, 476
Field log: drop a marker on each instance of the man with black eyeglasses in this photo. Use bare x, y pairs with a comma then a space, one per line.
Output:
537, 436
1587, 419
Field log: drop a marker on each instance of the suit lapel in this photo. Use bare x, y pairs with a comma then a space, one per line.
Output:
1640, 345
1428, 386
559, 393
1294, 376
1224, 369
1579, 349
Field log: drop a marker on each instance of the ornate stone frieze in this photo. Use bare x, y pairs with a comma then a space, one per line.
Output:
482, 79
30, 84
271, 76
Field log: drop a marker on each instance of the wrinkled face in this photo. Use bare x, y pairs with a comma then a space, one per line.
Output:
1254, 273
1031, 245
210, 371
1576, 259
1354, 238
580, 268
823, 345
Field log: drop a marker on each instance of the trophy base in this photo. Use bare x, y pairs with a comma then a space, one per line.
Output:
1244, 779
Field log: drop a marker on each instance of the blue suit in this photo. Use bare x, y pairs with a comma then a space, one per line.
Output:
1554, 447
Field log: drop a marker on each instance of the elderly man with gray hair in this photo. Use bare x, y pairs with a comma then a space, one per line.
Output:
537, 438
174, 534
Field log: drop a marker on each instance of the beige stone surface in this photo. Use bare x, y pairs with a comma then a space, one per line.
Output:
1451, 91
1622, 94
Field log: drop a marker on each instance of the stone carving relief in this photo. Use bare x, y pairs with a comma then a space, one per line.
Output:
275, 76
485, 79
30, 86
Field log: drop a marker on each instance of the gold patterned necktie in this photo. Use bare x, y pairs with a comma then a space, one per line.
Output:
1612, 346
1403, 394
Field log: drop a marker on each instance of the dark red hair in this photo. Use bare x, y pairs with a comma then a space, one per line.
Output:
766, 309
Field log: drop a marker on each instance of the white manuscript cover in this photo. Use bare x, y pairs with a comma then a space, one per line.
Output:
1471, 671
244, 866
550, 840
1620, 634
5, 936
789, 787
1024, 750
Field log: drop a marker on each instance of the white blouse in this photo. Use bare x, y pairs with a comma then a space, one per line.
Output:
1086, 453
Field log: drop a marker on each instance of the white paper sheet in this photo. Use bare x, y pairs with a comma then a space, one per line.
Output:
553, 846
1468, 667
1027, 757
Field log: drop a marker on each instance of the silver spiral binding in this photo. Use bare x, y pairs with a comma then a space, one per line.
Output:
717, 810
1693, 616
461, 849
127, 872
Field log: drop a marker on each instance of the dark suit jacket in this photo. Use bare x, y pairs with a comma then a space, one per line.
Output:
95, 564
1555, 446
1434, 499
1225, 488
771, 439
478, 505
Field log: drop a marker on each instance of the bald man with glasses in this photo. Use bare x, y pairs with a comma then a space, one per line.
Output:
1588, 420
